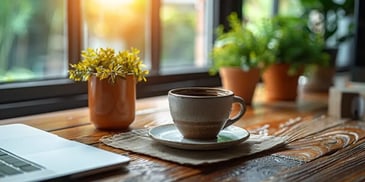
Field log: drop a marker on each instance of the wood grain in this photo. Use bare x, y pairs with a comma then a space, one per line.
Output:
347, 164
318, 147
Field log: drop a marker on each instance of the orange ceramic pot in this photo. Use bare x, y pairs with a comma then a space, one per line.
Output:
242, 83
112, 106
320, 80
278, 84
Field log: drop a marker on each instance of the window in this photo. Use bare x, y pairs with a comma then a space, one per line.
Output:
183, 30
174, 37
290, 7
116, 24
33, 40
255, 10
183, 34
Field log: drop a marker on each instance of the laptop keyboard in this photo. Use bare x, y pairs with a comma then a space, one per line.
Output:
11, 164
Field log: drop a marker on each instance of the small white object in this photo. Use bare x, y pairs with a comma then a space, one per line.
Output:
347, 102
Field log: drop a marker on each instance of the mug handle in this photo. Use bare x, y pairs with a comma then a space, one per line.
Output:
239, 100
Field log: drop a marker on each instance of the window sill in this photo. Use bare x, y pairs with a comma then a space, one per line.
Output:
53, 95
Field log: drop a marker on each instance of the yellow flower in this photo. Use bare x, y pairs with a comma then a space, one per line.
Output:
104, 63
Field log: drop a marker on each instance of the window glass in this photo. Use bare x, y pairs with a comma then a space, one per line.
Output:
183, 34
290, 7
122, 24
255, 10
119, 24
33, 40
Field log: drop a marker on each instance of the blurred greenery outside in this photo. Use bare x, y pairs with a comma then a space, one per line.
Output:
255, 10
31, 39
178, 30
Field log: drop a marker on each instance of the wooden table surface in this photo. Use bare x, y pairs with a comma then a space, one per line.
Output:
319, 148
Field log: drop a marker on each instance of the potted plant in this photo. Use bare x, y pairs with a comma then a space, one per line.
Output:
295, 51
111, 81
323, 17
236, 56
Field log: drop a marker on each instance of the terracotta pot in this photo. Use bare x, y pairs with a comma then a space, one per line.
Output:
322, 78
112, 106
278, 84
242, 83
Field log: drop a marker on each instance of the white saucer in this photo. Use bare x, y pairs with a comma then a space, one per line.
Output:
169, 135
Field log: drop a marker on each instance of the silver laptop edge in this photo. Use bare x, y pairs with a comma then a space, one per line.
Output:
58, 157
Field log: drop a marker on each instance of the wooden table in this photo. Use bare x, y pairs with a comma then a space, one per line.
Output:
319, 148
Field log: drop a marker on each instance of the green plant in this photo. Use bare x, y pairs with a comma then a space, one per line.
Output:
289, 41
105, 63
323, 17
238, 47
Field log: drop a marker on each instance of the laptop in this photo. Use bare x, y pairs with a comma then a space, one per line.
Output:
31, 154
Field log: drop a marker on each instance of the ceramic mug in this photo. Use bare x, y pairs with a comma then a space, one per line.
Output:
202, 112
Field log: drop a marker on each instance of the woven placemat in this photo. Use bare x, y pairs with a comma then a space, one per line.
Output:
139, 141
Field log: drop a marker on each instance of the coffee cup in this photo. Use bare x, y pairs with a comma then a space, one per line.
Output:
202, 112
